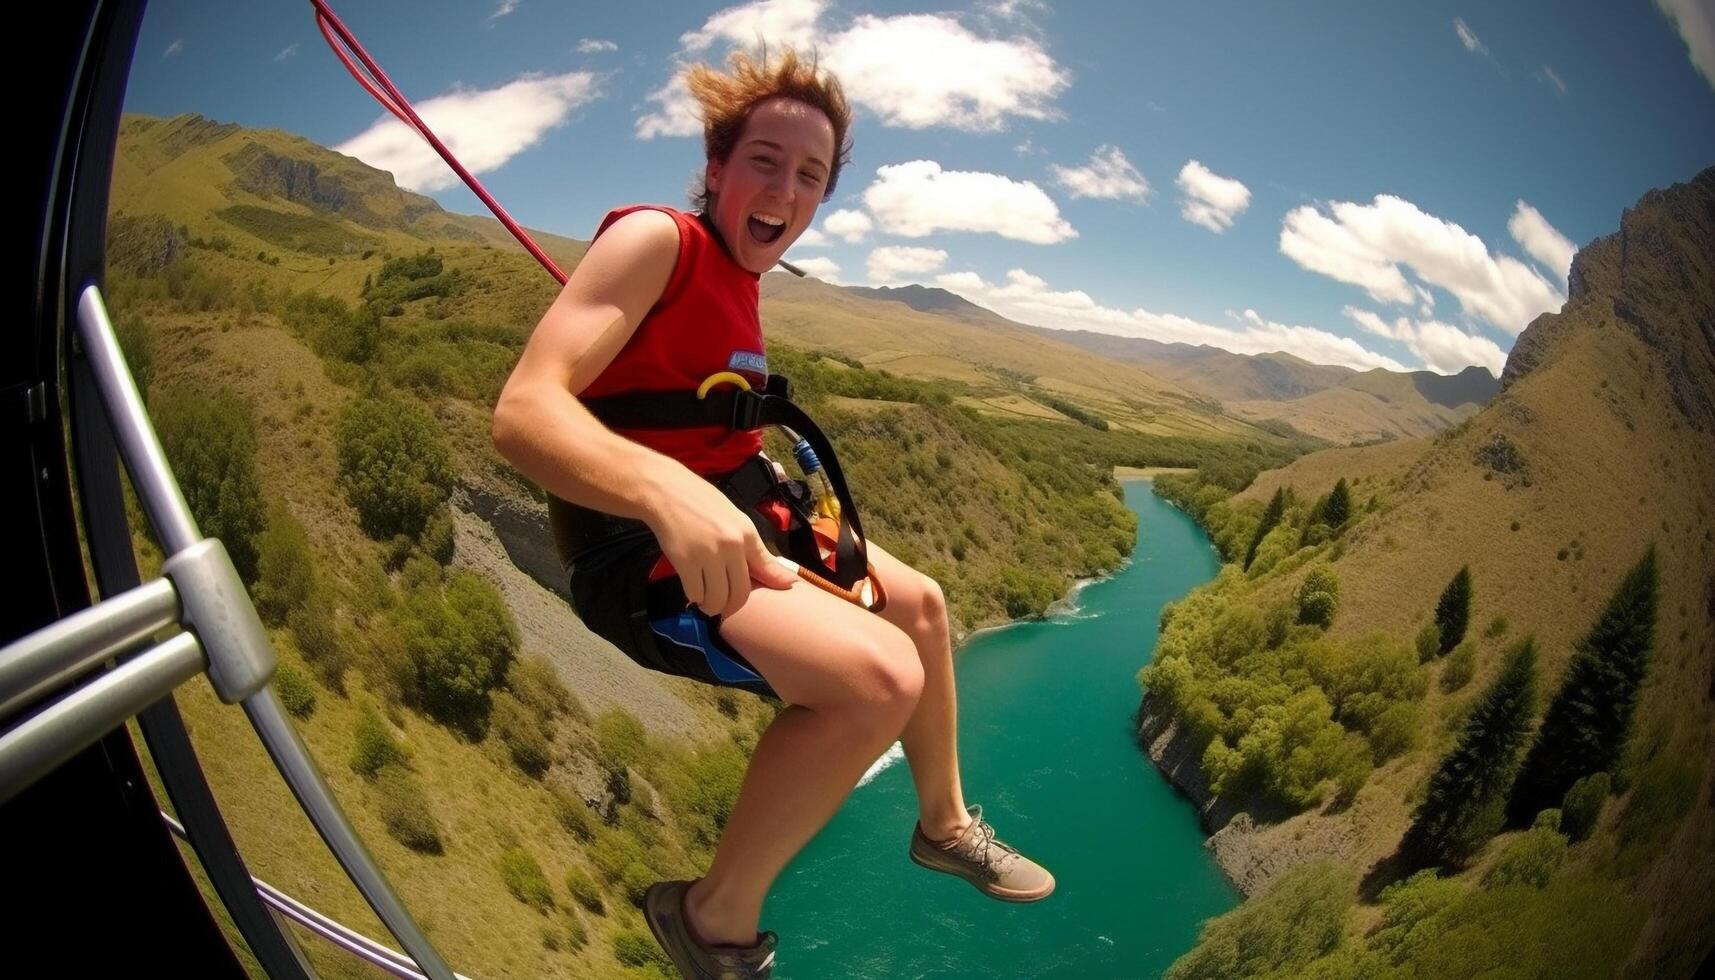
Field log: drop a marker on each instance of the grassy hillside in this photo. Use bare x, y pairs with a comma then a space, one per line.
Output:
1273, 709
321, 351
1334, 403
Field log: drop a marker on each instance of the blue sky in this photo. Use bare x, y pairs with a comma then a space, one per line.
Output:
1366, 184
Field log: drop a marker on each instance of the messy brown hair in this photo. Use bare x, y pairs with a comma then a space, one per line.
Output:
726, 100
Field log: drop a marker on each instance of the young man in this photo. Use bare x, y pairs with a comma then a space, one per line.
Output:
661, 301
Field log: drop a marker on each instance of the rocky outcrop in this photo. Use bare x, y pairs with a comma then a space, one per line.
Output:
1655, 277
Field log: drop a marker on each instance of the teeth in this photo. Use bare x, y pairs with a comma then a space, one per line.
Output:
769, 219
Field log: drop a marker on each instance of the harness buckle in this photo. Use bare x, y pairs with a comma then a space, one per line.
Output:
747, 409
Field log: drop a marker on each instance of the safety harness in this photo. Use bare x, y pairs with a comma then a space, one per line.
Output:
830, 552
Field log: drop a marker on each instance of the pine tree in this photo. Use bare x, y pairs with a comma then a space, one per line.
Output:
1467, 793
1587, 724
1339, 506
1453, 612
1270, 518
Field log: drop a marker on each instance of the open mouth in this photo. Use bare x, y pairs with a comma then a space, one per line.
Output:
763, 230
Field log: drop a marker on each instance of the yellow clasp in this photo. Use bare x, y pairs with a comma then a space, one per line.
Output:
719, 377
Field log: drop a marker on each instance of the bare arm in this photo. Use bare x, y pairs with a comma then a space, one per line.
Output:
541, 428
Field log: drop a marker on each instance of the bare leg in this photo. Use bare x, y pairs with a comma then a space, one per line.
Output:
851, 689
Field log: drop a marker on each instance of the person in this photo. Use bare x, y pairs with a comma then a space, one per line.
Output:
662, 300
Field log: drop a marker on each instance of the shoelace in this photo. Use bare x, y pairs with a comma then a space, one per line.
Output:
985, 836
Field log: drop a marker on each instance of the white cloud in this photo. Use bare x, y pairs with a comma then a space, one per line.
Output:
484, 129
1211, 200
1547, 74
914, 71
847, 225
888, 263
1028, 299
1108, 175
811, 238
1443, 347
286, 52
1369, 246
595, 45
790, 22
1695, 21
1013, 9
1545, 244
820, 266
177, 46
1468, 37
502, 9
678, 115
918, 198
922, 70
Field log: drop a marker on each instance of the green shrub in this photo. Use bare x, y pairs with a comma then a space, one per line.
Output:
459, 639
438, 537
1428, 642
1583, 805
615, 849
353, 336
524, 879
1531, 859
1497, 626
394, 466
632, 947
373, 745
315, 631
1300, 917
405, 810
635, 881
584, 890
294, 689
1575, 926
522, 734
1318, 597
1461, 665
1394, 731
1270, 520
1664, 792
572, 813
285, 570
207, 436
533, 681
577, 937
620, 739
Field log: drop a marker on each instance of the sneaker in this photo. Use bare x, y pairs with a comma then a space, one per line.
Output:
664, 910
994, 867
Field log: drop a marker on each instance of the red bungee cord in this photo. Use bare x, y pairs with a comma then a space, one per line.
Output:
376, 83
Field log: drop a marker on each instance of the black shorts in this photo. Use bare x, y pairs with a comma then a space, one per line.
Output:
652, 623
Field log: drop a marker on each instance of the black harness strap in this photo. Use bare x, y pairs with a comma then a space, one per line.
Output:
746, 409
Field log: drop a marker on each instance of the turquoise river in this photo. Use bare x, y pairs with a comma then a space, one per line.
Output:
1046, 746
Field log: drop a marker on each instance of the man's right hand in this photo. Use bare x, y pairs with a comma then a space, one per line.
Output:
713, 546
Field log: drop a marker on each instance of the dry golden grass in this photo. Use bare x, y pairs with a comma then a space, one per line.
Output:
1342, 415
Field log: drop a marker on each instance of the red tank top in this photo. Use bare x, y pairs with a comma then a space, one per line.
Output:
705, 322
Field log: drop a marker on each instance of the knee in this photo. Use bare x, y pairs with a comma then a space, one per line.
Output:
889, 679
932, 608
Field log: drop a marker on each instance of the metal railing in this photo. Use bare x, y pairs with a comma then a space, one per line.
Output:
376, 954
57, 671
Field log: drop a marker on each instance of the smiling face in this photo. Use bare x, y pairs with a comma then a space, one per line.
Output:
765, 194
